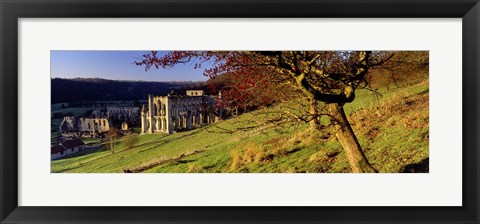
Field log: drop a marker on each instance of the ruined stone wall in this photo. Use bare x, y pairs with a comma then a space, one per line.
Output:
168, 114
98, 113
100, 121
69, 124
97, 125
118, 115
91, 125
194, 93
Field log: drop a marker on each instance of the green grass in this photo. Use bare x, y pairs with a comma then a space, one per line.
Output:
54, 126
76, 111
393, 131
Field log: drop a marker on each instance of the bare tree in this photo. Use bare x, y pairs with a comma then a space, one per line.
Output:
112, 138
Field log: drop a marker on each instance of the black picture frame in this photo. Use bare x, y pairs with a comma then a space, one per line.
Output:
11, 11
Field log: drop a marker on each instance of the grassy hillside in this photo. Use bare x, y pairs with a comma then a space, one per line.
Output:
393, 131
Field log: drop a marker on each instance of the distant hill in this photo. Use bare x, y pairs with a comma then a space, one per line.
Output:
97, 89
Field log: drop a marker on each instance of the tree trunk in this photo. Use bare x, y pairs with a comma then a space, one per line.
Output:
112, 145
315, 121
348, 140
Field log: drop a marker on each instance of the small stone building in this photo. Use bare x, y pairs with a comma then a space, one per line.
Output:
57, 152
124, 126
66, 148
171, 113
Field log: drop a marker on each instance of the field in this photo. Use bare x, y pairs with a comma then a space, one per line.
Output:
393, 131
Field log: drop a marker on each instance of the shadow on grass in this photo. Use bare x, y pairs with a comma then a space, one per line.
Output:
420, 167
63, 170
209, 166
186, 161
176, 160
294, 150
155, 143
424, 91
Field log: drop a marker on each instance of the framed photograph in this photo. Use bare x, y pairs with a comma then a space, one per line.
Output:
245, 112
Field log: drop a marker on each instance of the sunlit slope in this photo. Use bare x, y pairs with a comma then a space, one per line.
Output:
393, 132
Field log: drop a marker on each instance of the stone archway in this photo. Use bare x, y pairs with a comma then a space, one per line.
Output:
164, 109
165, 126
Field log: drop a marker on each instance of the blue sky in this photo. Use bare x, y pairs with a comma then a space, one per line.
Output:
116, 65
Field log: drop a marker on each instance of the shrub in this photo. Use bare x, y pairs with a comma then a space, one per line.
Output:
253, 153
236, 160
130, 141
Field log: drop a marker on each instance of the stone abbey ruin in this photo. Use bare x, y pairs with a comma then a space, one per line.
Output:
163, 114
171, 113
100, 121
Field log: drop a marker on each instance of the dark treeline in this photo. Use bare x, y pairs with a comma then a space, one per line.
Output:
96, 89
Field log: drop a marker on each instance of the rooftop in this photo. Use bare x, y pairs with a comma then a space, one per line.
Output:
72, 143
57, 148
